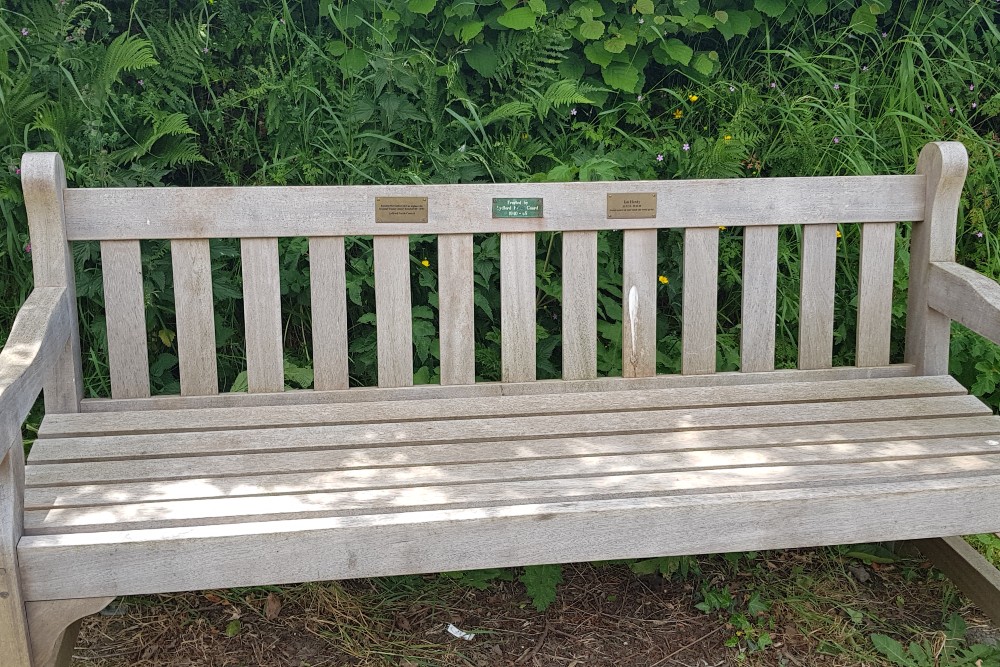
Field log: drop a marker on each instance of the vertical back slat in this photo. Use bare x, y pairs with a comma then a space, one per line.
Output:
579, 305
760, 284
639, 303
517, 306
128, 358
262, 315
394, 322
456, 309
701, 295
192, 266
328, 290
819, 268
875, 276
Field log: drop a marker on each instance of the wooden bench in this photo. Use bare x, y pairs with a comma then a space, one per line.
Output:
136, 494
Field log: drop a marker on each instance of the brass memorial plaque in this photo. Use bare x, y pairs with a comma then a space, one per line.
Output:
517, 207
400, 209
631, 205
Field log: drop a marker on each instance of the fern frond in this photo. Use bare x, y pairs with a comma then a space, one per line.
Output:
126, 53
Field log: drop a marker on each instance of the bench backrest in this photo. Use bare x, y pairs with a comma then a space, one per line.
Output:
120, 217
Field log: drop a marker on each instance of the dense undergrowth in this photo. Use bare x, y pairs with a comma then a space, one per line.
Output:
222, 92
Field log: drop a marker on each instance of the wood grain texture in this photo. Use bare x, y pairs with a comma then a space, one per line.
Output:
819, 270
965, 296
43, 182
456, 309
394, 316
968, 569
944, 165
699, 320
483, 389
54, 627
190, 474
15, 649
214, 556
33, 347
579, 305
126, 213
511, 408
639, 280
875, 281
328, 291
517, 307
262, 315
195, 308
760, 284
125, 311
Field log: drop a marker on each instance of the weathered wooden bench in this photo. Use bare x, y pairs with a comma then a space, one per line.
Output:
136, 494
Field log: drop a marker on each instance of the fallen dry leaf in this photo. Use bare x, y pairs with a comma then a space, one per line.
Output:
272, 607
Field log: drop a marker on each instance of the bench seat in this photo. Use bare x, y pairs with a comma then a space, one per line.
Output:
522, 478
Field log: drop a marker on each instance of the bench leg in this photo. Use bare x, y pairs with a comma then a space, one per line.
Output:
969, 571
15, 650
53, 626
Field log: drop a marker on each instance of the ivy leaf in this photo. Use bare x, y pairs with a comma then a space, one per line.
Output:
519, 18
773, 8
483, 59
622, 76
421, 6
591, 30
678, 50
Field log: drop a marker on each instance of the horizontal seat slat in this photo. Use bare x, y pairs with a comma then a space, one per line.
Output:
224, 212
193, 465
523, 428
515, 469
83, 424
152, 515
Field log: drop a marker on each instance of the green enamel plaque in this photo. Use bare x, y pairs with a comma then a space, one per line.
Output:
517, 207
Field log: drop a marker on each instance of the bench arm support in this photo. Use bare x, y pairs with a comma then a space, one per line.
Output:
966, 297
36, 341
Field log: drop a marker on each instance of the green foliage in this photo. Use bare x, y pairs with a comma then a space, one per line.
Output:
540, 582
931, 654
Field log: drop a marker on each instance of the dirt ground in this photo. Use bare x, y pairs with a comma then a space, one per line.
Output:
817, 607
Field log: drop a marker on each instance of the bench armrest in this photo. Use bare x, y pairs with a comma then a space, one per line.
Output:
966, 297
38, 336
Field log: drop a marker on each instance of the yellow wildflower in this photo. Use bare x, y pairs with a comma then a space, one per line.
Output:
692, 98
678, 113
728, 137
839, 235
664, 280
722, 228
425, 263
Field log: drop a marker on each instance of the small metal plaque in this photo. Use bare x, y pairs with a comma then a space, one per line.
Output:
517, 207
400, 209
631, 205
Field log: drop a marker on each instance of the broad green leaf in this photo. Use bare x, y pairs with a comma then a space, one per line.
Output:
622, 76
721, 16
233, 628
597, 54
863, 21
538, 6
678, 50
703, 64
483, 59
354, 61
615, 44
739, 22
519, 18
645, 6
687, 8
571, 68
591, 30
336, 48
893, 650
773, 8
469, 31
421, 6
816, 7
